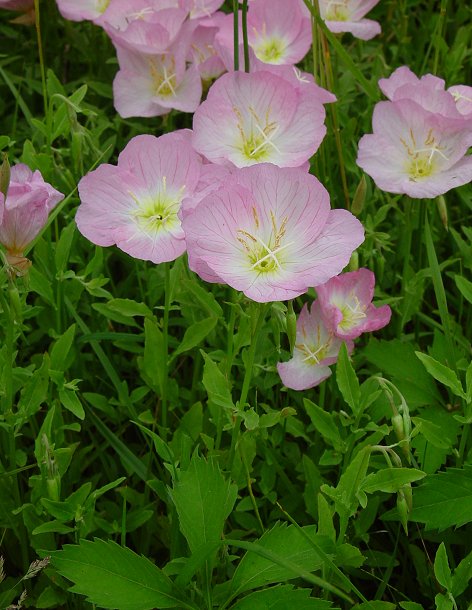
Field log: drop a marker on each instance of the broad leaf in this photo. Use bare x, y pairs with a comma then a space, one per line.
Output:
390, 480
195, 334
324, 424
281, 598
442, 570
441, 373
347, 381
112, 576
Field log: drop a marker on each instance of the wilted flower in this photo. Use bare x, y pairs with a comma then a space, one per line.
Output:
316, 347
270, 233
348, 16
346, 304
256, 118
25, 210
135, 205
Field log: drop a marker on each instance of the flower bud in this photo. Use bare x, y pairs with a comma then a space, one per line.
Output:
359, 197
4, 177
442, 209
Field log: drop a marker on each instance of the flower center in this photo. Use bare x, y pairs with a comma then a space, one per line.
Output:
163, 77
159, 213
352, 312
270, 50
315, 351
423, 160
257, 142
337, 10
264, 255
102, 5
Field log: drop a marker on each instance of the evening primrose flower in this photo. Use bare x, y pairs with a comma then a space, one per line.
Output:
25, 209
270, 233
346, 304
415, 151
316, 347
348, 16
257, 118
85, 10
136, 204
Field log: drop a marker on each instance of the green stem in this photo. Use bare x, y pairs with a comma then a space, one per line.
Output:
439, 33
245, 38
165, 334
37, 22
236, 34
7, 400
406, 258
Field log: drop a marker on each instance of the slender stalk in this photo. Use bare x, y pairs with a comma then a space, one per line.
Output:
245, 38
165, 333
37, 23
438, 34
236, 34
406, 256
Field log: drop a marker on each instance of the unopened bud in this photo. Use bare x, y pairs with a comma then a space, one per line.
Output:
359, 197
397, 424
4, 176
404, 505
442, 209
354, 262
291, 326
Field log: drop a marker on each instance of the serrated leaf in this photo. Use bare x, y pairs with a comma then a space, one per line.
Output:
442, 570
195, 334
444, 499
112, 576
347, 381
390, 480
203, 498
441, 373
282, 597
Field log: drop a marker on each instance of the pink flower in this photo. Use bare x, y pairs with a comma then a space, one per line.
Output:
202, 53
270, 233
89, 10
278, 31
463, 97
135, 205
204, 8
152, 85
145, 26
345, 303
348, 16
414, 151
315, 349
256, 118
25, 210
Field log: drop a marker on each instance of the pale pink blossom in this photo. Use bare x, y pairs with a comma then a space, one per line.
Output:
204, 8
85, 10
256, 118
346, 304
270, 233
414, 151
136, 204
202, 52
153, 85
462, 95
25, 210
348, 16
278, 31
316, 347
145, 26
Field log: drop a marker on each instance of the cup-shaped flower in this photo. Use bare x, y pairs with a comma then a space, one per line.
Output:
25, 210
316, 347
258, 118
416, 152
152, 85
348, 16
85, 10
145, 26
270, 233
135, 204
346, 304
278, 31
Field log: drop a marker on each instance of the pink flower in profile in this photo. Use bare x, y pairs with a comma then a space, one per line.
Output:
270, 233
202, 53
348, 16
256, 118
85, 10
153, 85
25, 210
145, 26
278, 31
346, 304
136, 204
315, 349
416, 152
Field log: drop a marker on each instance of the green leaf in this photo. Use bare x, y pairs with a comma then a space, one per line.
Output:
464, 286
52, 527
203, 297
71, 402
375, 605
61, 349
41, 285
203, 499
286, 542
153, 362
443, 602
195, 334
216, 384
347, 381
444, 500
114, 577
442, 373
462, 575
283, 597
442, 570
410, 606
63, 246
324, 423
34, 393
433, 433
390, 480
129, 308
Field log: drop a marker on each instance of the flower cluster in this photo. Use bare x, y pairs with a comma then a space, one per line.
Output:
342, 312
424, 132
